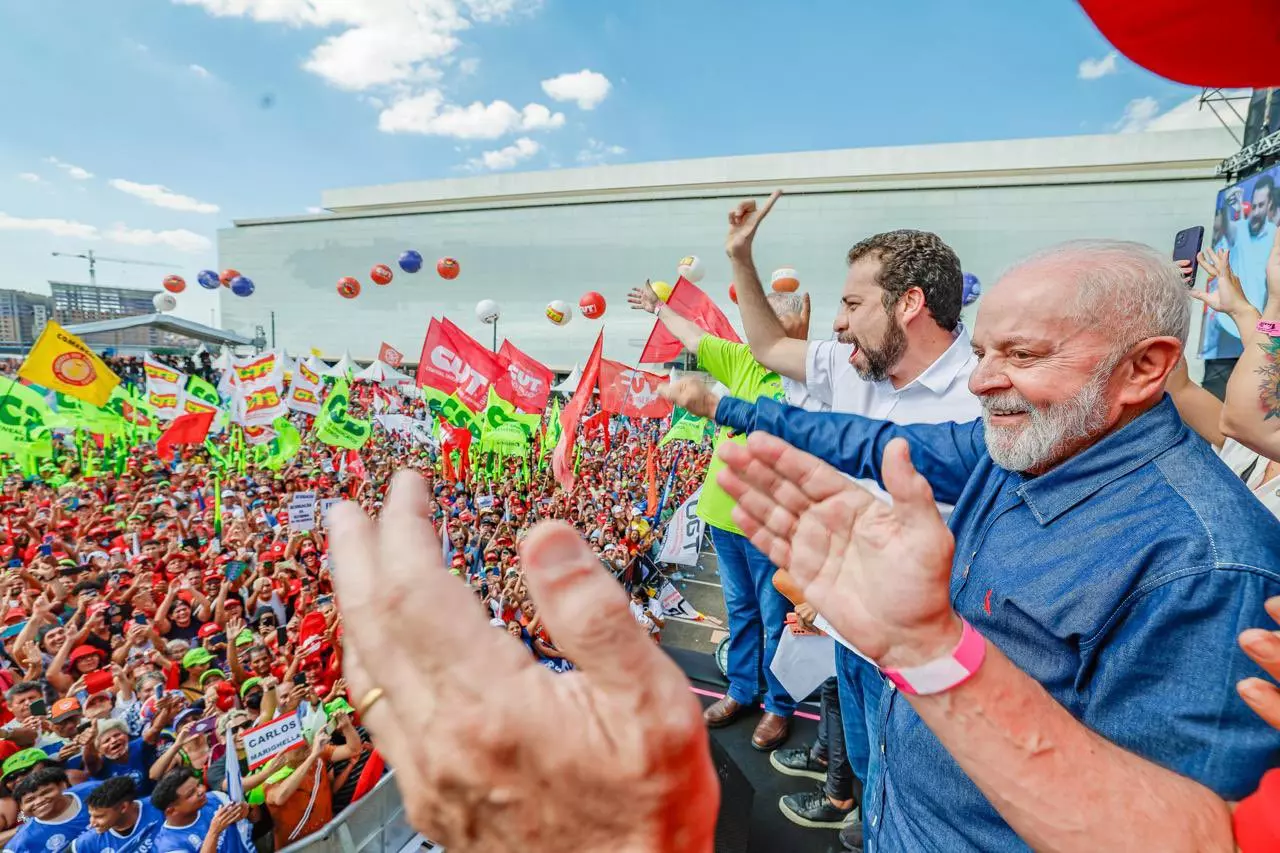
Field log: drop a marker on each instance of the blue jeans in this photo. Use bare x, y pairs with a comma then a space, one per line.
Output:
860, 684
757, 614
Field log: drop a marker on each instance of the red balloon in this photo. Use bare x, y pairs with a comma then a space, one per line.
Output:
348, 288
175, 283
733, 293
448, 268
381, 274
592, 305
227, 276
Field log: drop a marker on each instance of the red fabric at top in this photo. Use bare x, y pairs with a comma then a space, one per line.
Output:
1176, 39
1257, 817
694, 305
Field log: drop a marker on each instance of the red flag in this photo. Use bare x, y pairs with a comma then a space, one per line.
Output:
1156, 34
388, 354
185, 429
694, 305
627, 391
355, 465
459, 439
527, 382
598, 422
453, 361
562, 457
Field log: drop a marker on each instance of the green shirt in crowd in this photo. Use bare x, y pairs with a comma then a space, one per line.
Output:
734, 366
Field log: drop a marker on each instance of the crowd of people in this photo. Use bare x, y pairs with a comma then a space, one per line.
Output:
1058, 634
152, 618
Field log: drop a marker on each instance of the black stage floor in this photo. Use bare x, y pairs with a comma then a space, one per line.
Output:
771, 832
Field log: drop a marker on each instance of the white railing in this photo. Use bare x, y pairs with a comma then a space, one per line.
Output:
373, 824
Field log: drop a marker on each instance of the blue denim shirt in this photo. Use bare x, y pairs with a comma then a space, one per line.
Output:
1119, 580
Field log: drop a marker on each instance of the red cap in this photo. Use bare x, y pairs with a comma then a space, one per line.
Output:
85, 651
208, 629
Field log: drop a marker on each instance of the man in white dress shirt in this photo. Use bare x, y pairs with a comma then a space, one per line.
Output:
900, 354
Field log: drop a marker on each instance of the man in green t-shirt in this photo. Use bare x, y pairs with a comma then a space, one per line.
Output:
757, 611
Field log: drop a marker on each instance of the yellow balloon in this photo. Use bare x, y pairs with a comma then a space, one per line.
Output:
662, 289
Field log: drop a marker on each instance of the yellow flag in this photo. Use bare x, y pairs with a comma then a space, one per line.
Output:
61, 362
317, 353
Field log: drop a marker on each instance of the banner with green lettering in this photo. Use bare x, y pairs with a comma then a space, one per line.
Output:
334, 425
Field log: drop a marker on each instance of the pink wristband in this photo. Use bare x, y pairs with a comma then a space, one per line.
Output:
944, 673
1269, 328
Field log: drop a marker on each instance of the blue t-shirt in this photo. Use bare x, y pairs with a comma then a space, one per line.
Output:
38, 836
136, 763
140, 840
187, 839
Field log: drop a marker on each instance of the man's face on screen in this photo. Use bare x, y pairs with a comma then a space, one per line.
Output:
1262, 202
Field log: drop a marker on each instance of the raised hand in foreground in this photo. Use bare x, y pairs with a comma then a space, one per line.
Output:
493, 752
878, 572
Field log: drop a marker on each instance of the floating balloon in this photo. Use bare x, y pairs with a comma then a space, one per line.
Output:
175, 283
487, 311
227, 275
164, 302
785, 280
242, 286
733, 293
411, 261
690, 267
448, 268
662, 289
208, 279
558, 312
592, 305
381, 274
972, 289
348, 288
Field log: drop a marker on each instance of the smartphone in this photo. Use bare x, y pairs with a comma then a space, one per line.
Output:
39, 708
282, 636
140, 618
1186, 246
300, 679
159, 692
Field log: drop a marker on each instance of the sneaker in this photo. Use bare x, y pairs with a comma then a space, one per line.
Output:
814, 810
798, 762
851, 836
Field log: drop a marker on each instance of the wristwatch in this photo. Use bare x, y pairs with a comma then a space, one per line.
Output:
1269, 328
944, 673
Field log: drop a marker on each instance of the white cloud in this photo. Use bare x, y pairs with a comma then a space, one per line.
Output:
75, 172
597, 152
315, 210
587, 88
1092, 69
199, 71
162, 196
56, 227
29, 177
1143, 114
506, 158
495, 10
180, 239
469, 66
427, 114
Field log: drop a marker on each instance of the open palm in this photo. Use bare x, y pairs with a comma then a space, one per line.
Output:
878, 572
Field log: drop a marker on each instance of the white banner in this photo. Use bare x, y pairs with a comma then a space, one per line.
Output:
269, 740
165, 388
302, 511
684, 534
419, 431
304, 390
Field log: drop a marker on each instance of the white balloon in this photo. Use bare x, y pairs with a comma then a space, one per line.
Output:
690, 267
487, 311
164, 302
559, 312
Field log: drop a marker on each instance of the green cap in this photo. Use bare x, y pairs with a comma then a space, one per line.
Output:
213, 673
196, 657
249, 684
244, 638
24, 760
338, 706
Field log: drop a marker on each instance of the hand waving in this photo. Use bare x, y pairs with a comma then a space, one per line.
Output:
613, 756
643, 298
744, 221
1229, 297
878, 572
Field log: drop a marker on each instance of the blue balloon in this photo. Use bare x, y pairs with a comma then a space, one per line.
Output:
241, 286
972, 289
411, 261
209, 280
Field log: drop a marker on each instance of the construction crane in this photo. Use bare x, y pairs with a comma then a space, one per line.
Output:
94, 260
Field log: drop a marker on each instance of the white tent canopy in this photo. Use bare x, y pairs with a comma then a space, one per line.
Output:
344, 368
382, 373
570, 384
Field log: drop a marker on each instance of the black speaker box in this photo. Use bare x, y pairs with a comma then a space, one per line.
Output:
733, 825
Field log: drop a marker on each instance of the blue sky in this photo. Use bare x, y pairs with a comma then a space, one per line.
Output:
139, 127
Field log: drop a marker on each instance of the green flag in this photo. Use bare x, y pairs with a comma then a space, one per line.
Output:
684, 427
203, 391
453, 410
277, 452
335, 427
24, 417
499, 413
